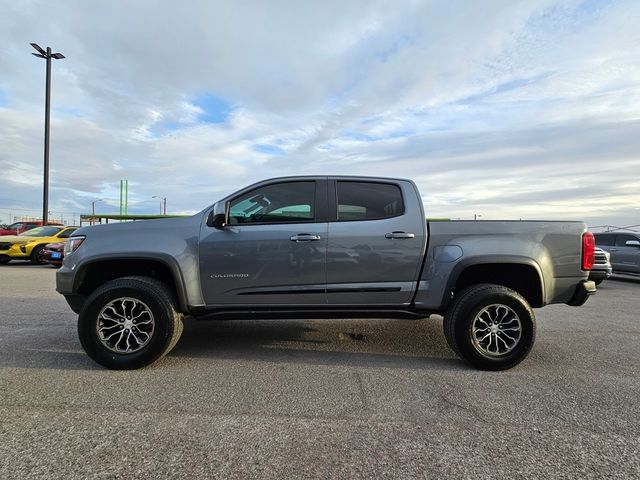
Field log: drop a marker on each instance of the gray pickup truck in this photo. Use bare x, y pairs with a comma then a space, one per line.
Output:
319, 247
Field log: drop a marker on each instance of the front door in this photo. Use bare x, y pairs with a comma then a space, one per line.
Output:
273, 250
625, 258
377, 237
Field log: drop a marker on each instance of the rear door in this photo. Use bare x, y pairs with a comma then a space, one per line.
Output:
377, 236
273, 250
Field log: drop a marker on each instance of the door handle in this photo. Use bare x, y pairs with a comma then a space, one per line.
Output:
304, 237
399, 235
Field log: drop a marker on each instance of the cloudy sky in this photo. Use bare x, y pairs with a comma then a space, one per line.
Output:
507, 109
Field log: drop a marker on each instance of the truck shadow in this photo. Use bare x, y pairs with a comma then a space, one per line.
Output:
621, 277
385, 343
416, 344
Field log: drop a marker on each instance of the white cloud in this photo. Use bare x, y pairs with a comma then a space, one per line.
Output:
508, 109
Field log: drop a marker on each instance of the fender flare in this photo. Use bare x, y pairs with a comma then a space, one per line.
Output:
465, 263
161, 258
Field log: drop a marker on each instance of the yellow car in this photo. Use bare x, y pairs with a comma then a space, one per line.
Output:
29, 245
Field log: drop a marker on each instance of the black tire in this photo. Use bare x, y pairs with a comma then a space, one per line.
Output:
161, 302
36, 255
599, 281
4, 259
469, 303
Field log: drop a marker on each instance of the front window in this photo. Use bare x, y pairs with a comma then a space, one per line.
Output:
67, 233
621, 240
277, 203
41, 232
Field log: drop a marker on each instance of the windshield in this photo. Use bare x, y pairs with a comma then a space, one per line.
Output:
41, 232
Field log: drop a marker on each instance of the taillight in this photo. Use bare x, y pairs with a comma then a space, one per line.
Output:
72, 245
588, 250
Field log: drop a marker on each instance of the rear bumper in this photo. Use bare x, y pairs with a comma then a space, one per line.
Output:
584, 290
600, 274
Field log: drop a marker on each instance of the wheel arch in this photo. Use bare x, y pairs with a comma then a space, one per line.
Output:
99, 270
521, 274
34, 249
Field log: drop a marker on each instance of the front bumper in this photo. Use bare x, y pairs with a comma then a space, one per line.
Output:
47, 257
17, 251
584, 290
64, 285
64, 280
75, 302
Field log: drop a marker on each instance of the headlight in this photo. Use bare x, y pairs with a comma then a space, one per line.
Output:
72, 245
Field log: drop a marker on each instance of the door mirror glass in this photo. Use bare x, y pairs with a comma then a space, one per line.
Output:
633, 243
218, 215
216, 220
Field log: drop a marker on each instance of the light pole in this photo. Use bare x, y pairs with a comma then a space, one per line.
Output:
163, 204
47, 55
476, 215
93, 210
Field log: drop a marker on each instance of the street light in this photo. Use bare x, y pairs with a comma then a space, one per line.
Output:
163, 203
47, 55
93, 210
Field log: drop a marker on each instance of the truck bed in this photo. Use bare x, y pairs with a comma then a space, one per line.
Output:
552, 249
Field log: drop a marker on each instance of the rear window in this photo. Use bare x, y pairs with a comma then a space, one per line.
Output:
605, 239
368, 201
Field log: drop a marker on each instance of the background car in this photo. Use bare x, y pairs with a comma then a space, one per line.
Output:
53, 253
601, 268
624, 248
30, 244
19, 227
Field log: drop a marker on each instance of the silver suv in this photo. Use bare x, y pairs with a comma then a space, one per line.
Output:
624, 249
601, 267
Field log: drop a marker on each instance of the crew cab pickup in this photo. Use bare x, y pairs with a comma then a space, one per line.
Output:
318, 247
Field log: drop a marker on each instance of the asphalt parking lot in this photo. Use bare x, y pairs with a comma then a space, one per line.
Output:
319, 399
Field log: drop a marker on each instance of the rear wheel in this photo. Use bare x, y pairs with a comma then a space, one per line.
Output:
599, 281
129, 323
4, 259
490, 326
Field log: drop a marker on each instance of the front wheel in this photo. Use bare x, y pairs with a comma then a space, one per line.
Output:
492, 327
4, 259
129, 323
37, 256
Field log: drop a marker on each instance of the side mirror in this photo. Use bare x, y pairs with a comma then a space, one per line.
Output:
217, 216
632, 243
